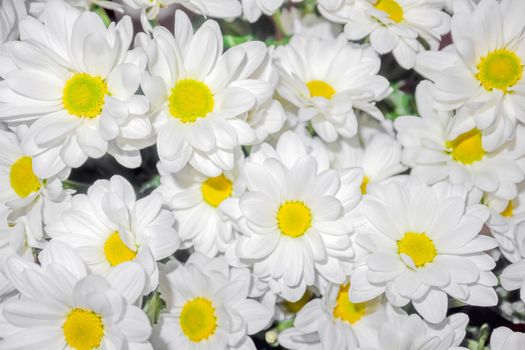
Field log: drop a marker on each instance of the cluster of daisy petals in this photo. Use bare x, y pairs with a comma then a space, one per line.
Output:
286, 197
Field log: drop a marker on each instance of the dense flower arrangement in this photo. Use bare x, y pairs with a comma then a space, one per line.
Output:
257, 174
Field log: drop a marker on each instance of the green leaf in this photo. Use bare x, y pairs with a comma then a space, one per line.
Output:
102, 13
234, 40
153, 306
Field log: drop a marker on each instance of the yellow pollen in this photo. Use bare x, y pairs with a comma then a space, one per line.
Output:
364, 184
467, 148
391, 8
23, 179
294, 218
216, 189
418, 247
508, 211
190, 99
346, 310
500, 69
116, 251
83, 329
299, 304
319, 88
198, 320
83, 95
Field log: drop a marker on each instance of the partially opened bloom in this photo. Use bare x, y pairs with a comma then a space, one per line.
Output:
441, 146
481, 73
208, 307
71, 310
200, 96
108, 226
292, 218
327, 79
403, 27
423, 244
75, 81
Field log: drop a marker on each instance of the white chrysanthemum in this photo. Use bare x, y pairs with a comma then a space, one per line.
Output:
513, 277
410, 332
380, 157
439, 146
334, 322
30, 199
403, 27
197, 202
212, 8
208, 307
423, 244
254, 9
76, 82
482, 72
292, 218
108, 227
326, 79
293, 21
199, 96
67, 309
503, 338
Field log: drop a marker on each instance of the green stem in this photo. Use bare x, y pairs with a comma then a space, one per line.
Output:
102, 13
75, 185
278, 24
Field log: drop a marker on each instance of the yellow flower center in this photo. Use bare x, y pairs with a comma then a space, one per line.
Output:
83, 95
216, 189
346, 310
23, 179
391, 8
190, 99
418, 246
319, 88
467, 148
364, 184
198, 320
83, 329
500, 69
508, 211
116, 251
294, 218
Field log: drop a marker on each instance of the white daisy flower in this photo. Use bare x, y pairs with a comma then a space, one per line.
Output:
294, 21
75, 81
36, 7
423, 244
334, 322
410, 332
292, 218
208, 307
197, 201
503, 338
200, 96
403, 27
439, 146
108, 226
68, 309
149, 9
30, 199
254, 9
326, 79
380, 157
482, 72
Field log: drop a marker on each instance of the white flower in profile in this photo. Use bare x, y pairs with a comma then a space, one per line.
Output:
334, 322
481, 73
503, 338
410, 332
423, 244
149, 9
75, 81
208, 307
292, 218
440, 146
30, 199
62, 307
198, 201
327, 79
108, 226
200, 96
403, 27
